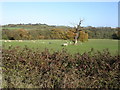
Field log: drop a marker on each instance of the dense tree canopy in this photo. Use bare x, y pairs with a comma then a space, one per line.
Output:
43, 31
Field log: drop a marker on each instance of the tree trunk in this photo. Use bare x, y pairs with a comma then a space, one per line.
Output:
76, 38
77, 32
75, 42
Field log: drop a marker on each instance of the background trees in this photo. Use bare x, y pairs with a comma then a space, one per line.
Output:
43, 31
83, 36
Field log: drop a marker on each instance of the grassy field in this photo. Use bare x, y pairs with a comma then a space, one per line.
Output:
55, 45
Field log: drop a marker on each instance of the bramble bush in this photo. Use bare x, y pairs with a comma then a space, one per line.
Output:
27, 68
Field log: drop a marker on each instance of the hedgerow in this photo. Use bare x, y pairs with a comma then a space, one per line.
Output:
27, 68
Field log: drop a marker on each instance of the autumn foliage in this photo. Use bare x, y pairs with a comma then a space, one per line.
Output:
69, 34
55, 33
44, 31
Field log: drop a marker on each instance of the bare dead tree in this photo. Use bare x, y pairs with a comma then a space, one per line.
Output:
77, 32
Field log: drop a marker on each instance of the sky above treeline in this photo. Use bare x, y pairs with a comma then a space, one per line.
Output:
97, 14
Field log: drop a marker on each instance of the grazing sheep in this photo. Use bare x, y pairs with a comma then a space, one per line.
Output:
20, 40
33, 41
65, 44
5, 41
9, 40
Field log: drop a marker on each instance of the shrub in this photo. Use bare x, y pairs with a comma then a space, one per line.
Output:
27, 68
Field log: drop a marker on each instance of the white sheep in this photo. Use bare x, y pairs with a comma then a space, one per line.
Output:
20, 40
9, 40
33, 41
65, 44
5, 41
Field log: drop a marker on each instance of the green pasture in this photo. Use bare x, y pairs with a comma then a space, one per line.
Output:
17, 28
55, 45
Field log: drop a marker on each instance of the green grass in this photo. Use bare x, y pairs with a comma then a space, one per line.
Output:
17, 28
97, 44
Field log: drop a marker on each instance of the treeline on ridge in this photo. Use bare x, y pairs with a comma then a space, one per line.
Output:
44, 31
